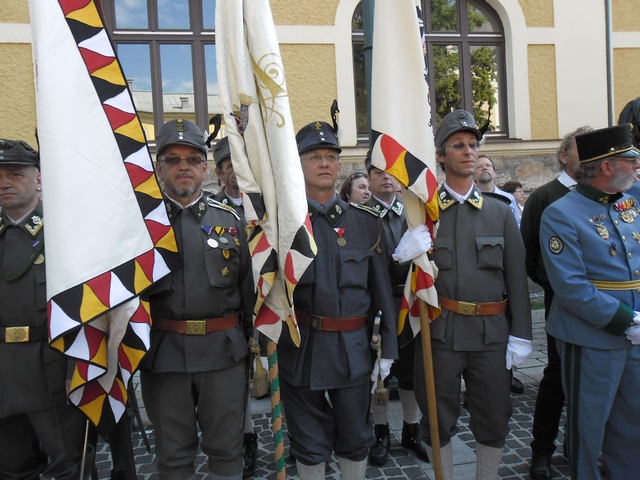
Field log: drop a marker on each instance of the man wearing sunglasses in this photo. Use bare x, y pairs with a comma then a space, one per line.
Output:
194, 373
484, 327
590, 242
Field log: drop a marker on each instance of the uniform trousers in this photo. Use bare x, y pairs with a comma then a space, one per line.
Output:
550, 399
178, 402
27, 439
603, 390
319, 425
488, 383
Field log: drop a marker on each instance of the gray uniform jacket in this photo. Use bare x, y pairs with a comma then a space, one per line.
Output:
32, 374
215, 281
342, 281
480, 258
225, 199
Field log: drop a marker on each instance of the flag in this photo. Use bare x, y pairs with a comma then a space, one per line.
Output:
403, 141
107, 233
265, 158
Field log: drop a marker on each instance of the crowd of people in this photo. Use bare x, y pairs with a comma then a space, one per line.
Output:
575, 236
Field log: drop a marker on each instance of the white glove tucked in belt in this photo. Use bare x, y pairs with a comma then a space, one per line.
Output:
633, 334
412, 244
518, 350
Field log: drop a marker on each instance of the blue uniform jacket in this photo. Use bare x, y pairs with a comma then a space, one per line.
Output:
590, 235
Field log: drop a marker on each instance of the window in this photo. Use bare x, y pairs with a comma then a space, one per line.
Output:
168, 54
465, 55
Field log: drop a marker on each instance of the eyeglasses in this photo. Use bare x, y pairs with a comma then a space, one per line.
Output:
174, 160
461, 146
331, 158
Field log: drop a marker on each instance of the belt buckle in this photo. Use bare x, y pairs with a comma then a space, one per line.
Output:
196, 327
16, 334
466, 308
316, 322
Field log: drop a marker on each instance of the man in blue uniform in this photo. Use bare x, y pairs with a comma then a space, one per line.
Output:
590, 240
485, 326
195, 372
550, 399
40, 433
343, 288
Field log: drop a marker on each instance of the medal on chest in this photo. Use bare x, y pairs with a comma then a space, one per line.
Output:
341, 241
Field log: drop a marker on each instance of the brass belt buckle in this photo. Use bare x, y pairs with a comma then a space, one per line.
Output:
316, 322
466, 308
196, 327
16, 334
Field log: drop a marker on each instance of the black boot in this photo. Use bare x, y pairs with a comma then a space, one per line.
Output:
411, 440
379, 453
250, 453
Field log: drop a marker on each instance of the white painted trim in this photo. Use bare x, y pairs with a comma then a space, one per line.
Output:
15, 33
517, 66
625, 39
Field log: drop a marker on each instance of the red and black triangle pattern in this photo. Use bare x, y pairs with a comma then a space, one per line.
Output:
79, 318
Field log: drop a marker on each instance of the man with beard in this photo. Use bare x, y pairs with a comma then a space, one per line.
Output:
591, 249
194, 373
230, 193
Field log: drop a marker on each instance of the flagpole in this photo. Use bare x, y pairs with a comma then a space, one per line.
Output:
276, 411
425, 333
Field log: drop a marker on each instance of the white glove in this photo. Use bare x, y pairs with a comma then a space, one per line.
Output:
412, 244
636, 318
382, 367
633, 334
518, 350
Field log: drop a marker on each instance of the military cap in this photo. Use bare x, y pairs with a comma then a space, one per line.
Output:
221, 151
606, 142
180, 132
317, 135
454, 122
17, 152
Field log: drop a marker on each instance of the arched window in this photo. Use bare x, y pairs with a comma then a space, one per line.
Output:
168, 54
465, 55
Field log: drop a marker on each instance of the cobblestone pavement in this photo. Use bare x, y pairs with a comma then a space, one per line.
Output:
401, 464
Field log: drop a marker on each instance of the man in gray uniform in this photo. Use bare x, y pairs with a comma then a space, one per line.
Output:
485, 325
343, 288
39, 432
230, 193
195, 372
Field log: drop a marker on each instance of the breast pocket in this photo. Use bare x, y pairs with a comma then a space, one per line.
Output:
222, 263
355, 267
490, 251
443, 253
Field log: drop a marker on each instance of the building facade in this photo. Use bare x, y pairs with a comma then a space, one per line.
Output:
537, 68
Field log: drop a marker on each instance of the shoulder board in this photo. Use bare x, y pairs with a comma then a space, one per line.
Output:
366, 208
497, 196
216, 204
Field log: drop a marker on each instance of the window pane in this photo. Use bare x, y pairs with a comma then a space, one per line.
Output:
446, 68
361, 89
209, 14
177, 81
486, 69
444, 16
357, 24
136, 64
173, 14
131, 14
214, 104
480, 21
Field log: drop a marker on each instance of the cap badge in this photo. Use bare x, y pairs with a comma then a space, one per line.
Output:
180, 127
318, 126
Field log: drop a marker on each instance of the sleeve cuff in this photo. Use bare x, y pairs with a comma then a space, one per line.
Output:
620, 321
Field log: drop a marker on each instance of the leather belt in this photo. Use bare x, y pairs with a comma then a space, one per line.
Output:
330, 324
472, 309
195, 327
23, 334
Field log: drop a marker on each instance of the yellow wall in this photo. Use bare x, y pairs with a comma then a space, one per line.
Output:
310, 80
538, 13
543, 95
17, 93
626, 77
625, 15
14, 12
304, 12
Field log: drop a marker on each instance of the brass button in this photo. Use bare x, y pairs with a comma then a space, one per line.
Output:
624, 238
630, 255
636, 273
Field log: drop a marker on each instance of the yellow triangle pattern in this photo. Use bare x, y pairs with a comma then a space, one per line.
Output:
88, 15
132, 130
150, 187
168, 242
91, 305
111, 73
140, 280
